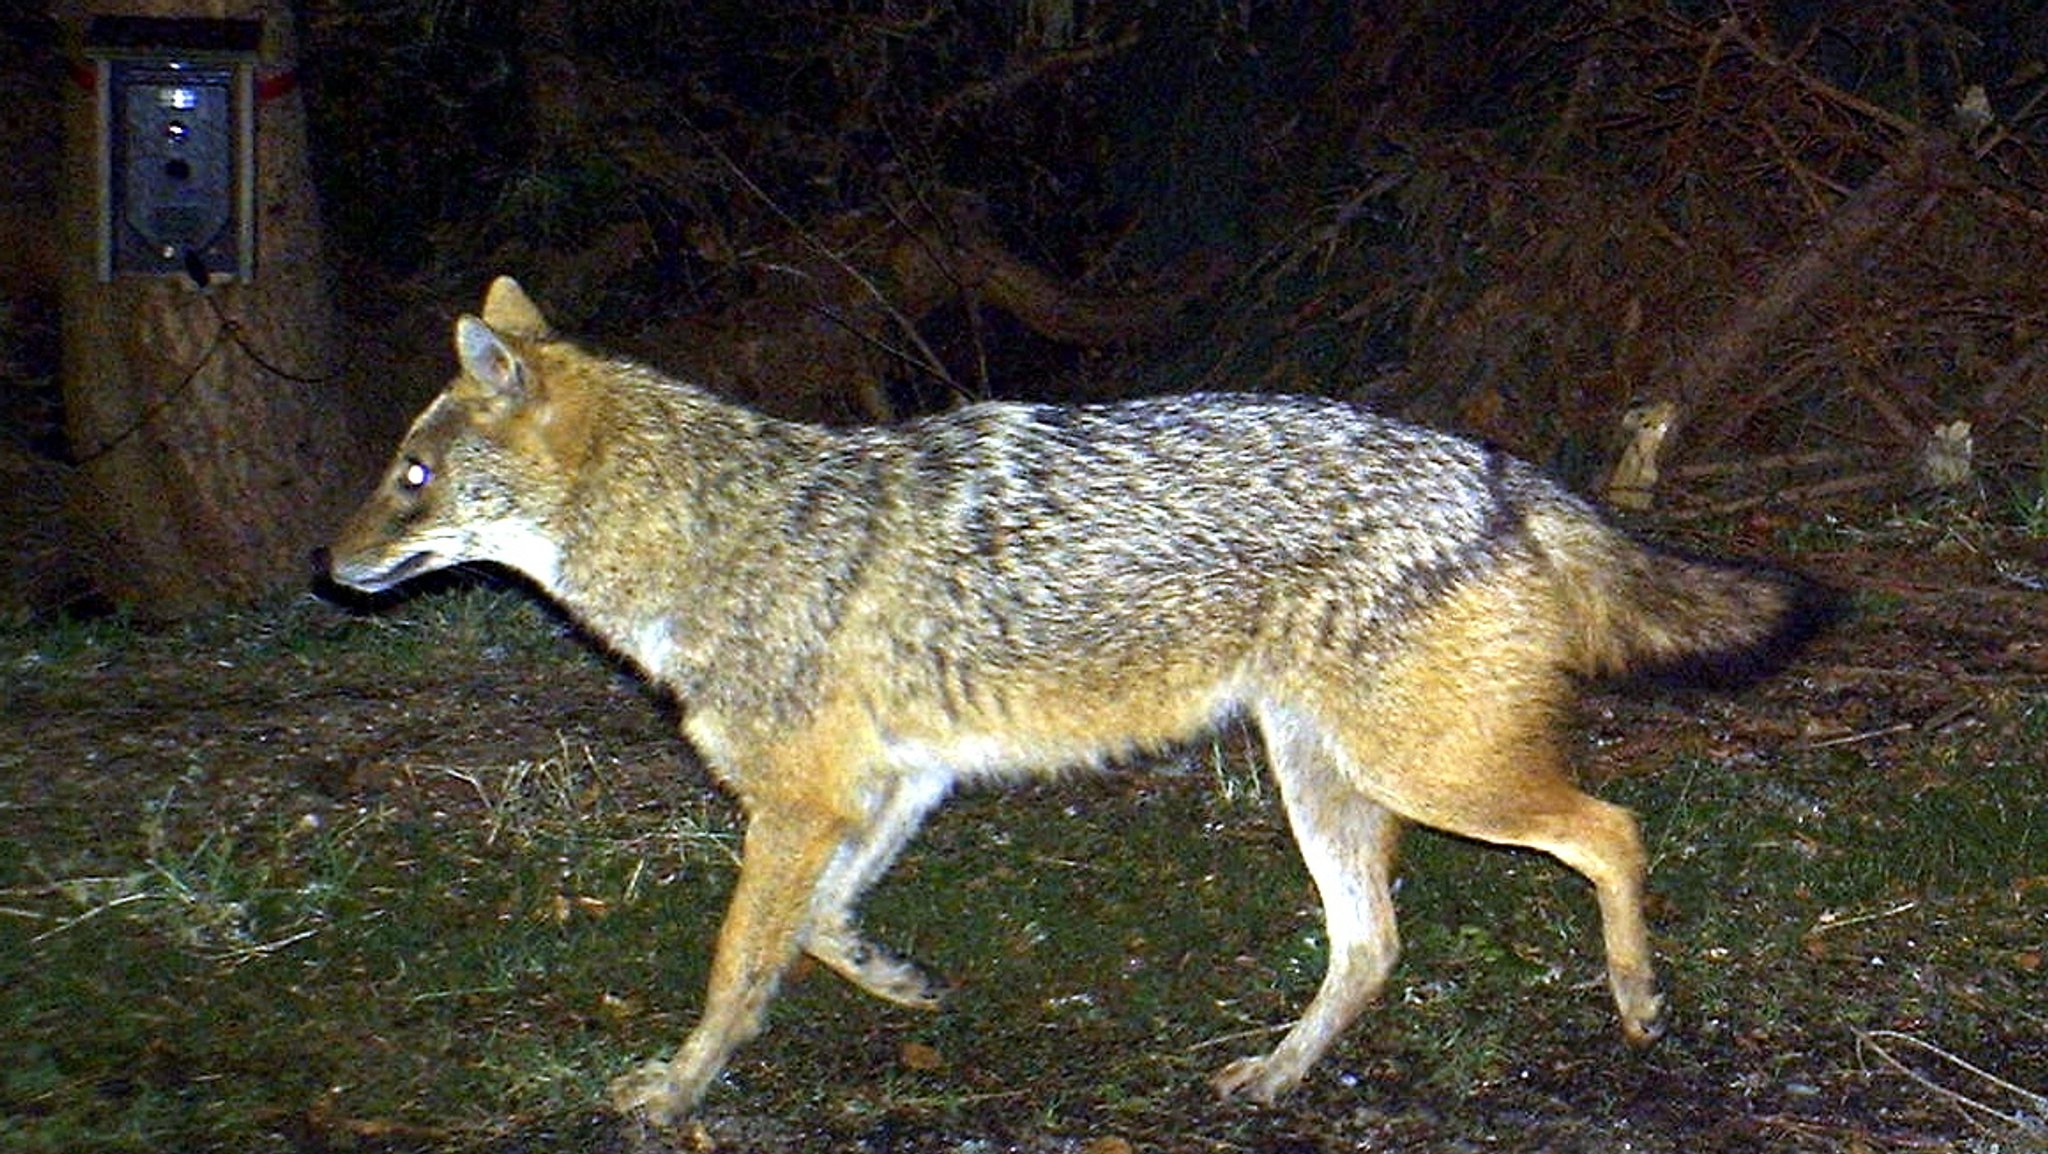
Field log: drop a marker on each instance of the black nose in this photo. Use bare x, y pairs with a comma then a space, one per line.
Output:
321, 563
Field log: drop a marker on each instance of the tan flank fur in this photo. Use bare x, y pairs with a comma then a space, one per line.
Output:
856, 620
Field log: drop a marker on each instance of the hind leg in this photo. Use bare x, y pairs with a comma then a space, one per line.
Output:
1503, 780
1459, 735
1347, 841
1601, 842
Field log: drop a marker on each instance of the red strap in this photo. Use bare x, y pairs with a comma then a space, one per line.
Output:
268, 88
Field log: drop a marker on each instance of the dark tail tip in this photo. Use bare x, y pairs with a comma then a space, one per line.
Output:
1813, 608
1809, 609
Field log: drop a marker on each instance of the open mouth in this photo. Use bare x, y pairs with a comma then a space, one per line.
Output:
374, 578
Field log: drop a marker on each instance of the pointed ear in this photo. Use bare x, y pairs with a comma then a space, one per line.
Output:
489, 361
509, 310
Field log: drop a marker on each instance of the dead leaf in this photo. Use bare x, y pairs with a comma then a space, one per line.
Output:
921, 1057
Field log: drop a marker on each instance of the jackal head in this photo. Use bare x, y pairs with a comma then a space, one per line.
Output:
475, 478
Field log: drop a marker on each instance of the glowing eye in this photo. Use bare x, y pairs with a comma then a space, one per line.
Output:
417, 474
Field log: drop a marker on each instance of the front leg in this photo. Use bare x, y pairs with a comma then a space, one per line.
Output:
873, 968
785, 852
893, 815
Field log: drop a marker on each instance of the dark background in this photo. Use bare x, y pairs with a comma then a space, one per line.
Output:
1515, 220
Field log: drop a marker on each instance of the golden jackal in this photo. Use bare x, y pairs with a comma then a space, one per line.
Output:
855, 620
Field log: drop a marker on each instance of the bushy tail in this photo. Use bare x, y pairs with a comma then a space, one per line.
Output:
1643, 612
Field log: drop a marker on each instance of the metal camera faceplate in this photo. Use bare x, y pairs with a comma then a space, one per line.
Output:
174, 166
176, 146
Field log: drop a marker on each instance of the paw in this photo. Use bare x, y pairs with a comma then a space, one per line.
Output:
1642, 1009
876, 970
1643, 1027
652, 1094
906, 985
1260, 1079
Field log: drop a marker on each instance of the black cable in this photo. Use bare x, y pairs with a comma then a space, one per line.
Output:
230, 331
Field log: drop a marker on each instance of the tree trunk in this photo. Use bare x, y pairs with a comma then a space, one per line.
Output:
205, 424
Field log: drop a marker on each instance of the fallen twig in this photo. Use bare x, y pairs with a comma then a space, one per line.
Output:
1792, 494
2031, 1119
1830, 921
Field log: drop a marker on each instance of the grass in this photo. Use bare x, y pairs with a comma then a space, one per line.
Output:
296, 881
